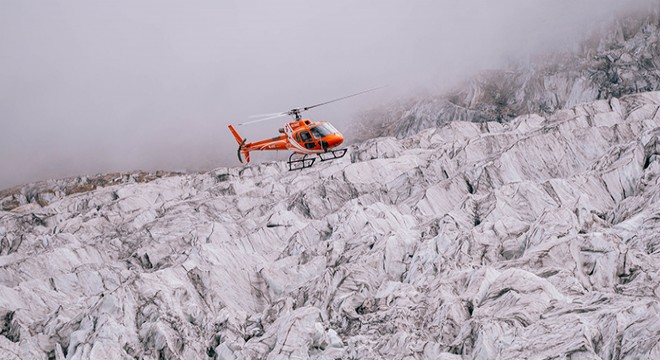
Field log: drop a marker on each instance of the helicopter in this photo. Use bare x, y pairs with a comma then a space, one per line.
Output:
307, 139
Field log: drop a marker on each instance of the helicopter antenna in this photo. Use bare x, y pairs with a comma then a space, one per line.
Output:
297, 111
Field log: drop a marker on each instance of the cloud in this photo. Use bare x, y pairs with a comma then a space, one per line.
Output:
93, 86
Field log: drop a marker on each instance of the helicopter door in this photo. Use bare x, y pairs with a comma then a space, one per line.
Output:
307, 139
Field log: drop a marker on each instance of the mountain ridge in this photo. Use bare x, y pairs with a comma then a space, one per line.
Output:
617, 60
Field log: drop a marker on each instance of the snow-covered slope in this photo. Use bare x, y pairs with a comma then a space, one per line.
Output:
622, 59
537, 238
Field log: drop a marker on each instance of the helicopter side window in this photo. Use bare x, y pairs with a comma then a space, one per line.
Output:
304, 135
316, 131
322, 130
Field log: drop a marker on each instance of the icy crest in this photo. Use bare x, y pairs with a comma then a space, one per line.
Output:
531, 239
622, 59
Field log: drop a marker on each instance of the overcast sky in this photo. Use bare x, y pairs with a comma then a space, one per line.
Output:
100, 86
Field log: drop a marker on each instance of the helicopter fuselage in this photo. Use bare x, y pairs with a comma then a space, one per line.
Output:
306, 137
303, 137
300, 136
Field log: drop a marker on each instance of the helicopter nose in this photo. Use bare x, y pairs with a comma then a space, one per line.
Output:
334, 140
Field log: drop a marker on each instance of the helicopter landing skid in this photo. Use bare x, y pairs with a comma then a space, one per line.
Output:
299, 164
332, 154
307, 162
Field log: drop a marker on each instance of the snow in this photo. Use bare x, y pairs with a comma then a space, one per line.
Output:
530, 239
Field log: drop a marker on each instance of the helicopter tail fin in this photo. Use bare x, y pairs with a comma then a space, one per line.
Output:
241, 143
238, 137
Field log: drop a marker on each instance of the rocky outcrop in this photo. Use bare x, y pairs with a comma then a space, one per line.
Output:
534, 238
43, 193
622, 59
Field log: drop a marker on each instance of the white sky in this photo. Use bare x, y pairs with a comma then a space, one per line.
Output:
99, 86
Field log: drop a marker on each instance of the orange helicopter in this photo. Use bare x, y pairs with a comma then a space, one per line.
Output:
303, 136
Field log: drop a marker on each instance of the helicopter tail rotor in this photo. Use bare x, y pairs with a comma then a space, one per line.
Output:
241, 146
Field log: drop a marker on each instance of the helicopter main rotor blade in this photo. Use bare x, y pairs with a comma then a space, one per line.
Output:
296, 111
341, 98
266, 115
264, 119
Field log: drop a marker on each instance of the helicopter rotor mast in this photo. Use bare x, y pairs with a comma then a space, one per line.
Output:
297, 111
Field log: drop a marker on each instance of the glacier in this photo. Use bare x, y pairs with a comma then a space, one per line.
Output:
536, 238
619, 59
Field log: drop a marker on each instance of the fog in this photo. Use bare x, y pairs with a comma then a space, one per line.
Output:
102, 86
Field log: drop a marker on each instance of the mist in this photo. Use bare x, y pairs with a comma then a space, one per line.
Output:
104, 86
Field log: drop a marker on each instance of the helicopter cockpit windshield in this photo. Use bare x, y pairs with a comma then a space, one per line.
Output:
323, 130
